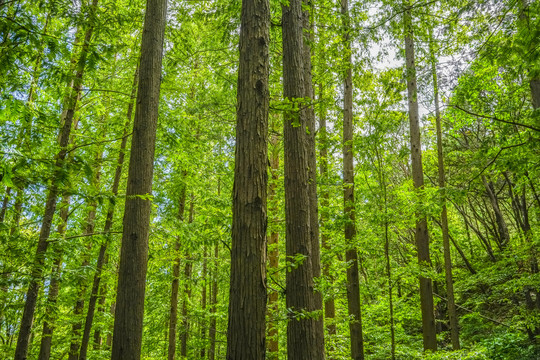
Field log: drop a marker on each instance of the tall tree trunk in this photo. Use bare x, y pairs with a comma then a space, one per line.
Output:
184, 336
273, 251
173, 313
421, 233
54, 285
351, 255
301, 330
312, 165
101, 261
452, 314
329, 305
203, 303
69, 107
501, 223
128, 322
5, 203
213, 306
246, 338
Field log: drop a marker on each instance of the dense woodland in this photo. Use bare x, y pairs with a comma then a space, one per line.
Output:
251, 179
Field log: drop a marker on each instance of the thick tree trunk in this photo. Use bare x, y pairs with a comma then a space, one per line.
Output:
128, 322
351, 255
173, 313
452, 314
312, 165
54, 285
70, 106
246, 338
101, 261
421, 233
273, 252
301, 330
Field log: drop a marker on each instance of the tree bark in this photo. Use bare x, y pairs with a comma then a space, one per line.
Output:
246, 338
452, 314
173, 313
70, 106
128, 322
101, 261
421, 233
213, 306
302, 326
351, 255
501, 223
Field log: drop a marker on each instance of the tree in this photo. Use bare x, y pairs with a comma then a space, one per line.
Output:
246, 338
127, 336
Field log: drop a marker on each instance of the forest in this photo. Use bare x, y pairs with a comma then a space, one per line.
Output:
269, 179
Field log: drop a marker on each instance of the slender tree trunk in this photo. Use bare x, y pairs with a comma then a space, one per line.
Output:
5, 203
173, 313
452, 314
213, 306
273, 252
351, 255
246, 338
421, 233
501, 223
70, 106
184, 336
128, 322
101, 261
329, 305
54, 285
301, 330
203, 303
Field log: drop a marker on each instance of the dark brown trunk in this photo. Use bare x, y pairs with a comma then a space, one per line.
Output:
452, 314
273, 252
351, 255
128, 322
246, 338
301, 330
70, 106
173, 313
5, 203
54, 285
421, 233
501, 223
101, 261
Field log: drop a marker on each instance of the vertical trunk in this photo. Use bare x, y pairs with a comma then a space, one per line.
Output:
173, 313
129, 312
50, 205
312, 166
421, 233
5, 204
351, 255
273, 252
390, 287
101, 261
213, 305
54, 286
301, 330
452, 314
247, 304
501, 223
203, 303
187, 292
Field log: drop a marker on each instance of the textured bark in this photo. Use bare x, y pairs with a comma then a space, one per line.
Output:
421, 233
128, 322
213, 305
301, 330
54, 286
351, 255
247, 305
101, 261
452, 314
312, 164
27, 319
173, 312
273, 252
